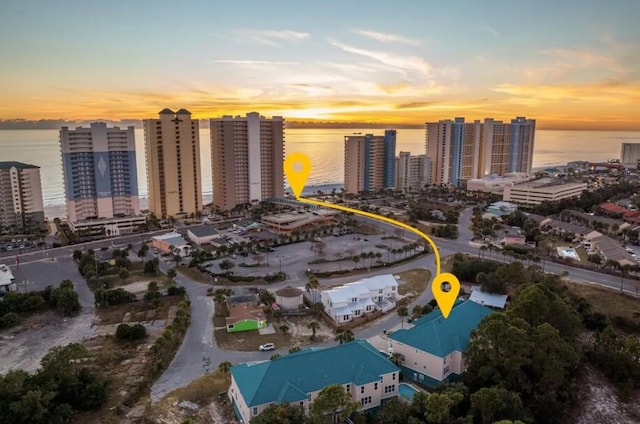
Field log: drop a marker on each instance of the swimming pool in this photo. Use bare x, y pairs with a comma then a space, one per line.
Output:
406, 391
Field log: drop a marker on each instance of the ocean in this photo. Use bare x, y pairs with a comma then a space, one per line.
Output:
323, 145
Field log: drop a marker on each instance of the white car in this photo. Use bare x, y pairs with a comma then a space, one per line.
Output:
267, 346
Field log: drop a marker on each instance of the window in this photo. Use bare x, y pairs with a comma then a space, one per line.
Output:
348, 387
361, 390
255, 410
375, 386
393, 376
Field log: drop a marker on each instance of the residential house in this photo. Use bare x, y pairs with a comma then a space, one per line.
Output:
203, 234
610, 249
289, 298
433, 348
245, 317
298, 378
502, 208
356, 299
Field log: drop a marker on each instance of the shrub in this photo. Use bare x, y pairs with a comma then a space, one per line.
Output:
9, 320
131, 332
176, 291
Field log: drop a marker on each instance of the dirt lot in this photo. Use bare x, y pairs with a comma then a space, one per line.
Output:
609, 302
416, 281
297, 335
599, 404
200, 392
23, 347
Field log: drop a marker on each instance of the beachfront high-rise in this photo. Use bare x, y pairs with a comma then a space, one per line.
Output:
172, 148
413, 172
247, 159
21, 208
369, 162
100, 173
461, 150
630, 155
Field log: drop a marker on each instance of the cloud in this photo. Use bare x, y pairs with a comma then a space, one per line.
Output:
407, 63
491, 30
387, 38
250, 62
583, 57
271, 37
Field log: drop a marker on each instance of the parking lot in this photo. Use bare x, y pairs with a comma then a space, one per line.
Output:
17, 245
293, 259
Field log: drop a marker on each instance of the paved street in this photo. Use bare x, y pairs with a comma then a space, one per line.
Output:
199, 354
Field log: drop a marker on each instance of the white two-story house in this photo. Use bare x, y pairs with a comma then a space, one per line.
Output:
355, 299
299, 377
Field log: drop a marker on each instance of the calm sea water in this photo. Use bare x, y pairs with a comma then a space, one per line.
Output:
324, 146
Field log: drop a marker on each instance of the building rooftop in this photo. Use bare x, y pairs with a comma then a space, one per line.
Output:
6, 276
289, 292
488, 299
183, 112
203, 231
292, 377
19, 165
439, 336
167, 111
174, 239
243, 312
547, 185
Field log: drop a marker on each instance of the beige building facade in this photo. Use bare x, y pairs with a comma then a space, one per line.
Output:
369, 162
542, 190
247, 158
413, 172
172, 147
461, 151
21, 206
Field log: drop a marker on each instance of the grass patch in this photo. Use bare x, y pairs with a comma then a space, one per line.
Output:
609, 302
141, 310
248, 341
367, 230
416, 281
204, 389
195, 274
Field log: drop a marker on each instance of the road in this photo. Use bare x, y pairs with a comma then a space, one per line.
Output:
199, 355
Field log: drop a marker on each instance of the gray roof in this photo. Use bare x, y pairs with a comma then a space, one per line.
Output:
167, 111
612, 250
203, 231
183, 112
19, 165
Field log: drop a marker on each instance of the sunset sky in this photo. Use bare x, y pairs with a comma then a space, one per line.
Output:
568, 64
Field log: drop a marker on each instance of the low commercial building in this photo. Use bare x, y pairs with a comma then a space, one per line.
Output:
203, 234
171, 243
501, 208
433, 348
495, 183
286, 223
110, 226
356, 299
7, 280
542, 190
366, 375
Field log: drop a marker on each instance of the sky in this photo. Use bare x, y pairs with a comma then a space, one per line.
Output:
568, 64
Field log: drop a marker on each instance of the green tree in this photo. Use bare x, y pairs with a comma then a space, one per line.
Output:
171, 273
439, 405
224, 367
403, 312
313, 326
344, 336
281, 413
493, 402
312, 286
226, 265
392, 412
284, 328
67, 302
153, 291
332, 401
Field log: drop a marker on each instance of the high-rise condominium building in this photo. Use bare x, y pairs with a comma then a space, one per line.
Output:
172, 147
100, 174
247, 157
21, 208
412, 172
630, 155
461, 150
369, 162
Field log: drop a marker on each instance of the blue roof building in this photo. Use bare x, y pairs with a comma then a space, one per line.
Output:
433, 348
298, 378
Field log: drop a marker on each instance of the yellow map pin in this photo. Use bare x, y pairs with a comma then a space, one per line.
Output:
445, 299
297, 167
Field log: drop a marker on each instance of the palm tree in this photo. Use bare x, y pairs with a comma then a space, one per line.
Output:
402, 313
313, 326
224, 367
397, 358
344, 336
312, 285
284, 328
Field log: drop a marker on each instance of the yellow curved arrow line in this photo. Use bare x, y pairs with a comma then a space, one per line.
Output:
381, 218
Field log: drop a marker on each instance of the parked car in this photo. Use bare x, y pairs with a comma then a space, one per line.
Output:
267, 346
233, 256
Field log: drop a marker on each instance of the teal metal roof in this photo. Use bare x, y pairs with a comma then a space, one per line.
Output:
291, 378
439, 336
